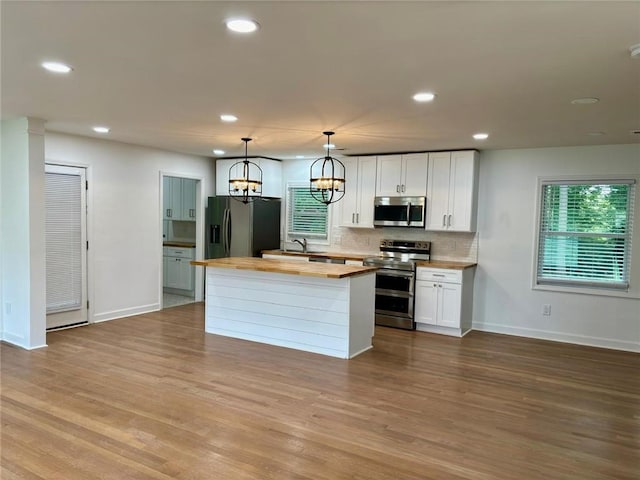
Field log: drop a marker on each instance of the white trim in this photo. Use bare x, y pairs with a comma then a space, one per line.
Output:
559, 337
17, 341
126, 312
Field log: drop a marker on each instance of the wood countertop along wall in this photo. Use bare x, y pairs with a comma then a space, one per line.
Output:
361, 256
311, 269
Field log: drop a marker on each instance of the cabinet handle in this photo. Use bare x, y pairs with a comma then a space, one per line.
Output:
402, 188
435, 284
438, 275
353, 218
444, 220
398, 188
449, 222
168, 213
357, 218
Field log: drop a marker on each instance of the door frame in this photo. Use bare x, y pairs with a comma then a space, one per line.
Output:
200, 212
89, 232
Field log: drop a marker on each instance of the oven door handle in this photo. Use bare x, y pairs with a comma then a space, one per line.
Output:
408, 212
386, 273
393, 293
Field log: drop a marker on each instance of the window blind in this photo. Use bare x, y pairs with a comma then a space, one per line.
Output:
585, 233
63, 238
306, 217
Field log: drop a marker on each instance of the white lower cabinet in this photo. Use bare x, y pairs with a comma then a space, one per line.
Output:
444, 300
178, 273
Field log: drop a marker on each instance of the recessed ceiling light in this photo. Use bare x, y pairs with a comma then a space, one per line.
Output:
228, 118
595, 134
218, 152
56, 67
424, 97
480, 136
299, 156
242, 25
329, 145
635, 51
101, 129
585, 101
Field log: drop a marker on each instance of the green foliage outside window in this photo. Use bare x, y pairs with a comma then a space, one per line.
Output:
585, 234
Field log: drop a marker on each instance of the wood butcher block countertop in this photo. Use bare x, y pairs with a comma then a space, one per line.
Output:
325, 270
446, 264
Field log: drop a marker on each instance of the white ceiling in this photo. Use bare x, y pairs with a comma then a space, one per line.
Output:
161, 73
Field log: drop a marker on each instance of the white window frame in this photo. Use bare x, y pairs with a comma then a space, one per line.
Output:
311, 240
633, 250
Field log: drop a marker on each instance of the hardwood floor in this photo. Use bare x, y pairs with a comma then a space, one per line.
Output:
154, 397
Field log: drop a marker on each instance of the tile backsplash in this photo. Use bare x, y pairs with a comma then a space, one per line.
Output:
444, 245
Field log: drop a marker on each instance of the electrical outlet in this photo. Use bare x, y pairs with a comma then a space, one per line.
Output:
546, 310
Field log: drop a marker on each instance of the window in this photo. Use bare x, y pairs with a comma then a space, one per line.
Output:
306, 217
585, 233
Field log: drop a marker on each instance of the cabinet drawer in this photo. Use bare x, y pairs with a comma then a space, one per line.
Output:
439, 275
179, 252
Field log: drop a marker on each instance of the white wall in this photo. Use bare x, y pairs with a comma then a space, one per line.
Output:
504, 300
22, 246
124, 224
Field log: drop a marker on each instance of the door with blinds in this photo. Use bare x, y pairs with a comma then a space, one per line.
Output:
66, 246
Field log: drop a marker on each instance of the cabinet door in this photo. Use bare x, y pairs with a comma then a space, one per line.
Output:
414, 175
426, 305
449, 300
462, 209
366, 191
271, 177
389, 175
438, 191
172, 278
349, 203
222, 177
179, 273
188, 199
167, 184
176, 198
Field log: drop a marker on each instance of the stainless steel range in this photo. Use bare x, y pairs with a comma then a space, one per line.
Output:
395, 281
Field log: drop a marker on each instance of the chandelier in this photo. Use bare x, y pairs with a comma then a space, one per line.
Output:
327, 177
245, 179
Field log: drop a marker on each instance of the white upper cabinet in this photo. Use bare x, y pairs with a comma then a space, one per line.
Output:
357, 203
178, 199
271, 176
452, 191
402, 175
188, 199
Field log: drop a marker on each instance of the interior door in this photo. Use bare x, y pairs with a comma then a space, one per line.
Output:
66, 245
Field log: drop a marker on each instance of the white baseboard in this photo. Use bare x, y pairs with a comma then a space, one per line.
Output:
125, 312
19, 341
559, 337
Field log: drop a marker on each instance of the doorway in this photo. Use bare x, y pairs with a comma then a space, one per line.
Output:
180, 213
66, 246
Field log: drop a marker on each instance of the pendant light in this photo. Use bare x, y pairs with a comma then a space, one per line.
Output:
245, 179
327, 177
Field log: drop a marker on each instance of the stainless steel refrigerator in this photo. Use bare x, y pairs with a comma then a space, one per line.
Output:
235, 229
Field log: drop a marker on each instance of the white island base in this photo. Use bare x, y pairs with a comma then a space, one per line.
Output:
330, 316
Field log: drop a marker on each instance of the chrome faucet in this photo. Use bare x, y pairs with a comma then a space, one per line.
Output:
302, 243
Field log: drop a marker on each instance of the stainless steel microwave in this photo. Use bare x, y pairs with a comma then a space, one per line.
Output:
399, 211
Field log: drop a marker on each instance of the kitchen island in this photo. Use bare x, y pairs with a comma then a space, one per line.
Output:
316, 307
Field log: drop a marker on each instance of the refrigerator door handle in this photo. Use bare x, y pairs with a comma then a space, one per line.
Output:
224, 231
229, 226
